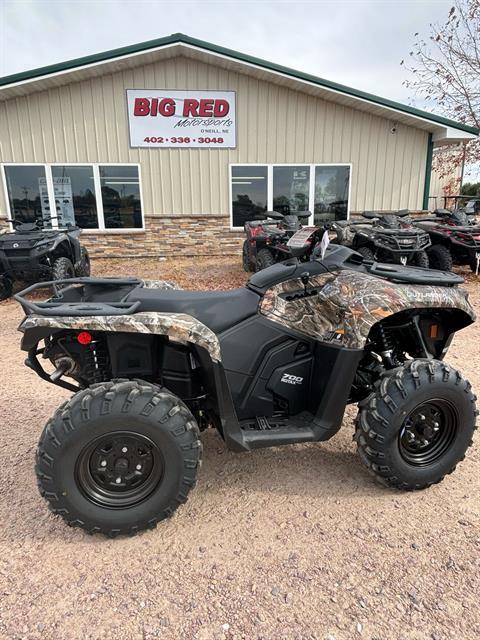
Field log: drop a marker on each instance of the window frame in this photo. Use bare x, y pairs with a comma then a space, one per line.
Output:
271, 165
96, 183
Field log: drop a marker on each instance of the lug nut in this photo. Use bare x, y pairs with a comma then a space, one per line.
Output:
422, 417
118, 480
124, 449
103, 463
138, 467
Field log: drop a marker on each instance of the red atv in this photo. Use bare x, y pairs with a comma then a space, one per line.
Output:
455, 238
267, 238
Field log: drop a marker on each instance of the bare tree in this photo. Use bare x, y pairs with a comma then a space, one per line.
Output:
445, 68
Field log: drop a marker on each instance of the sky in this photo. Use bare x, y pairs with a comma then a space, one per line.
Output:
359, 43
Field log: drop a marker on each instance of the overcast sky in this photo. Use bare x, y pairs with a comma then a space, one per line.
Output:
359, 43
356, 42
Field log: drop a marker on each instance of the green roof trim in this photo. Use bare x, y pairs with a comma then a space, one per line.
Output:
180, 38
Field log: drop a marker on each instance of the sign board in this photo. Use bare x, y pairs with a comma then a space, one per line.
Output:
62, 189
160, 118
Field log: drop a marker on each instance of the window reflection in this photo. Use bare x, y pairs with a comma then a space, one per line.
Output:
27, 193
291, 186
121, 197
75, 200
331, 193
249, 193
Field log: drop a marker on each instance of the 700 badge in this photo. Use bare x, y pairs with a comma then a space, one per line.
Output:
182, 140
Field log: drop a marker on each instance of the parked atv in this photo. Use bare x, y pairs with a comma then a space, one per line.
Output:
390, 238
267, 238
272, 363
33, 252
455, 239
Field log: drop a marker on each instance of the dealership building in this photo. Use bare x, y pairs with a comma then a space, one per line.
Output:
169, 146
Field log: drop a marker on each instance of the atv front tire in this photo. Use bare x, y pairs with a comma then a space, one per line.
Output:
62, 269
82, 268
440, 258
6, 288
420, 259
416, 425
246, 259
118, 457
265, 259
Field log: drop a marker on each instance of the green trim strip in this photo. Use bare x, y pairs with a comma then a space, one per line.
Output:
428, 172
180, 38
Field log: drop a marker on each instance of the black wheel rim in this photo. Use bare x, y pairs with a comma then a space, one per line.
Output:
428, 432
119, 469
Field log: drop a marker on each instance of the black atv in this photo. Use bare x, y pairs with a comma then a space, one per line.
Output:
390, 238
268, 364
455, 238
33, 252
267, 238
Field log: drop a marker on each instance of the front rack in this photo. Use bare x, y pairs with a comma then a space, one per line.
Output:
62, 307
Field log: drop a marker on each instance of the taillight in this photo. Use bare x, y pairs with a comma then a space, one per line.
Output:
84, 337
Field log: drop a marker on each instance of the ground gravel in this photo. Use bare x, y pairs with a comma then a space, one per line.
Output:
296, 542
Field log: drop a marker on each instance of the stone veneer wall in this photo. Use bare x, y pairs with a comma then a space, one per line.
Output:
177, 235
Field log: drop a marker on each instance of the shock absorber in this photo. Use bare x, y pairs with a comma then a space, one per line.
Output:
387, 345
96, 362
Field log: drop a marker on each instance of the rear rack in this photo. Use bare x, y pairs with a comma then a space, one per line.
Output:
59, 306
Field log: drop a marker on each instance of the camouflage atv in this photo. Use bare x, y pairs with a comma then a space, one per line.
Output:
272, 363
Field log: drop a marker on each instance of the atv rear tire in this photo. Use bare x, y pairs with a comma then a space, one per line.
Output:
6, 288
420, 259
62, 269
367, 254
246, 259
416, 425
82, 268
118, 457
440, 258
265, 259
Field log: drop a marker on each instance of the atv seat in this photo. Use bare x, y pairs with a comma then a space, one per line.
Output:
218, 310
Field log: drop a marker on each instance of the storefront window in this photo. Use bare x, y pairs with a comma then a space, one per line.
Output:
27, 193
331, 193
249, 193
75, 199
121, 197
291, 187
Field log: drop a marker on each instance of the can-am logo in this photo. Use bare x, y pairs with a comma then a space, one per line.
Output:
166, 118
289, 379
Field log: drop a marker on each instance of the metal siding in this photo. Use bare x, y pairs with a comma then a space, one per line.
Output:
87, 122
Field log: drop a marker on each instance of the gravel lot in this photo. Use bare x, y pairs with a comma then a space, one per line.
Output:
295, 542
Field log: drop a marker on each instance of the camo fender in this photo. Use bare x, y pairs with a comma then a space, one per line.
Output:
159, 284
345, 305
179, 327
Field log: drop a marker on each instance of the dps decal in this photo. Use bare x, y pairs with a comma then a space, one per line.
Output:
163, 118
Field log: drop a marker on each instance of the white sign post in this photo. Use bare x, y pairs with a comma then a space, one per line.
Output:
160, 118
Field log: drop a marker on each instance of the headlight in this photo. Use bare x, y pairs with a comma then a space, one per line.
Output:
405, 241
44, 246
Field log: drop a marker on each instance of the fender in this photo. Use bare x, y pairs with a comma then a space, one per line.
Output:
342, 306
179, 327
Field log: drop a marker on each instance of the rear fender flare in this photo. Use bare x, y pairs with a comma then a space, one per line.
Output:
179, 327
